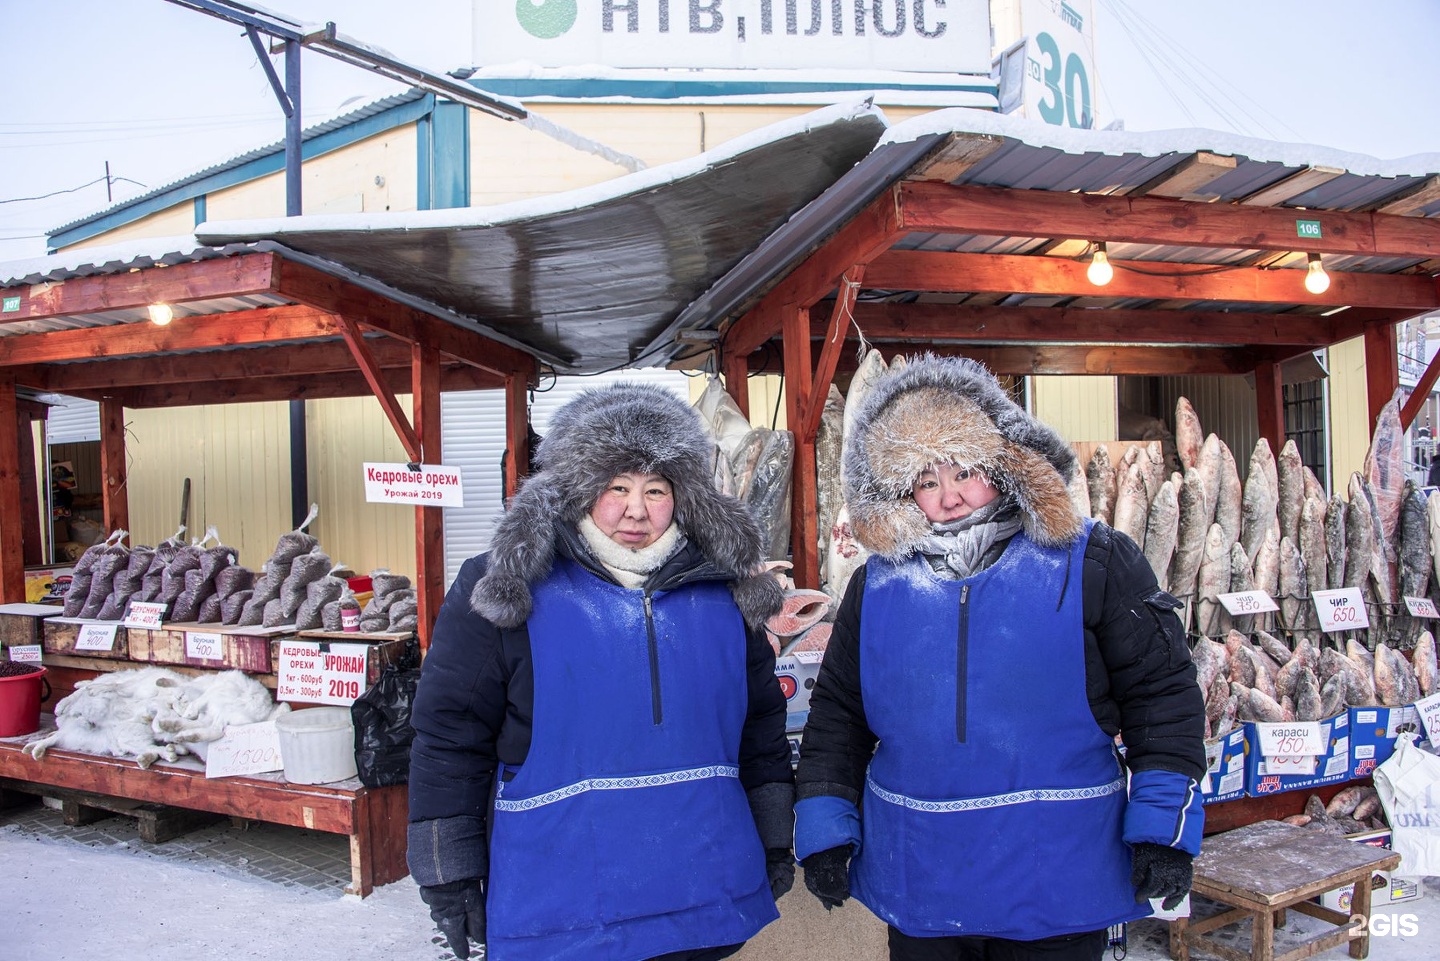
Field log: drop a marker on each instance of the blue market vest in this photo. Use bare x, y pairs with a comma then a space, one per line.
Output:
994, 803
626, 834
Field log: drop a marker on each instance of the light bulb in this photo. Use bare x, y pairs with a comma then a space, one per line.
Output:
1316, 280
1100, 272
161, 314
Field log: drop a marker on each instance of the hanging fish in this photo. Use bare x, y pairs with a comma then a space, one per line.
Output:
1292, 490
1383, 558
1257, 506
829, 445
1190, 536
1227, 509
1294, 589
1161, 531
1384, 465
768, 494
1335, 542
1359, 535
1414, 553
871, 369
1188, 436
1312, 543
1103, 483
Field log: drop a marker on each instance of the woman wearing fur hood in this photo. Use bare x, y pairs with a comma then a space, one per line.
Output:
958, 772
600, 770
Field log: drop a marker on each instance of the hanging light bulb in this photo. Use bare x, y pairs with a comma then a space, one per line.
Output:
1316, 280
161, 314
1100, 272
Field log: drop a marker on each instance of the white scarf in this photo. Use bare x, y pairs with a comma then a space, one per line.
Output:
631, 567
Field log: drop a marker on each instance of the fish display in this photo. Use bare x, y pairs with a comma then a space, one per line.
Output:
1189, 536
1189, 438
1291, 491
1103, 485
1257, 504
1162, 526
1132, 505
1384, 465
1213, 580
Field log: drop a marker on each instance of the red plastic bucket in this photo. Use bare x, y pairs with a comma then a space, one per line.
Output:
20, 699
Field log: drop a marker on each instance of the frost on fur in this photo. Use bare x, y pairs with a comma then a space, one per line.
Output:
154, 713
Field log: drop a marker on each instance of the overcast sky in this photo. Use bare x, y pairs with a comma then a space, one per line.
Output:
161, 91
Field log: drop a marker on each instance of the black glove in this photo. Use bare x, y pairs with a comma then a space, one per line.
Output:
458, 910
780, 866
827, 875
1160, 872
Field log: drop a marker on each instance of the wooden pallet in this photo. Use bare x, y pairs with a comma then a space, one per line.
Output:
157, 823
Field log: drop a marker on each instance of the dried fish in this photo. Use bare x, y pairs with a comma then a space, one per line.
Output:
1227, 508
1292, 490
1335, 542
1101, 479
1214, 579
1241, 579
1131, 504
1364, 661
1259, 706
1079, 490
1152, 460
828, 489
1332, 696
1414, 545
1432, 522
1384, 465
1395, 683
1257, 507
1161, 530
1307, 696
1424, 663
1274, 648
1210, 465
768, 494
1212, 660
872, 367
846, 555
1294, 588
1189, 438
1313, 487
1359, 535
1312, 543
1190, 536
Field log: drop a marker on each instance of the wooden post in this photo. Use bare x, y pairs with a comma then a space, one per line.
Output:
517, 433
1382, 367
12, 551
429, 521
804, 546
1270, 405
115, 496
736, 368
31, 539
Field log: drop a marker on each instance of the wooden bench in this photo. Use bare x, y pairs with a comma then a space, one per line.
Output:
1263, 869
373, 818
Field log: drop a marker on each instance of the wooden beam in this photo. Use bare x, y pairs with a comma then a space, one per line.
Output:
266, 325
1307, 178
1019, 274
114, 472
318, 289
223, 277
1270, 405
735, 368
1418, 396
429, 521
12, 551
1090, 360
840, 318
517, 433
928, 322
1187, 179
1004, 212
1382, 367
1410, 202
319, 386
867, 235
388, 402
804, 540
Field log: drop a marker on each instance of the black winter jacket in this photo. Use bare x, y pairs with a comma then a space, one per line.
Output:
473, 709
1139, 678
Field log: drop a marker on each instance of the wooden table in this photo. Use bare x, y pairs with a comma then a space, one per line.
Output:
1262, 869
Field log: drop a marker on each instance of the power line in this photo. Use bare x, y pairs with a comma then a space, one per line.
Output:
71, 190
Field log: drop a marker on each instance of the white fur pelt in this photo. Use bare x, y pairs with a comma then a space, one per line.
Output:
153, 713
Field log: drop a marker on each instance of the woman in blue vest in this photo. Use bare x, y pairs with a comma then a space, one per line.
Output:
958, 772
600, 770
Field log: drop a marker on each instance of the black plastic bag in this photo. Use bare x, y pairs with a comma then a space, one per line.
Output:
382, 728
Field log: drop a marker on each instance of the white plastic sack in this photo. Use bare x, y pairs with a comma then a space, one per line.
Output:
1409, 788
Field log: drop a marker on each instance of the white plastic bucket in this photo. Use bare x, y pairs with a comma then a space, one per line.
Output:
317, 745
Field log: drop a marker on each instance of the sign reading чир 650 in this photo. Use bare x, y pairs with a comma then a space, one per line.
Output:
945, 36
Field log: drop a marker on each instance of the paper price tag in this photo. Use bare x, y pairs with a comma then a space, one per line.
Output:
96, 637
1248, 602
145, 615
315, 676
204, 645
1292, 764
1421, 607
25, 653
1297, 739
1429, 708
1342, 609
245, 749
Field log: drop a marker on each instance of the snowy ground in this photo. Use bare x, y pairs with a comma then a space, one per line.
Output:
98, 893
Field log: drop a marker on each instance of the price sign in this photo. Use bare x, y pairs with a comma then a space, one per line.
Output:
1429, 708
1421, 607
1287, 739
430, 485
145, 615
204, 645
96, 637
245, 749
25, 653
1248, 602
1341, 610
1292, 764
314, 676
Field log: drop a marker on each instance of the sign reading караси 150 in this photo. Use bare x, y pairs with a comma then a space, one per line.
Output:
949, 36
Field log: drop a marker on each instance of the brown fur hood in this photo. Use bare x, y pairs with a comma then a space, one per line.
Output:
951, 410
607, 431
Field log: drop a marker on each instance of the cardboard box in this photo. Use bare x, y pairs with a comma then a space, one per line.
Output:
1225, 768
1263, 777
797, 673
1373, 731
1385, 888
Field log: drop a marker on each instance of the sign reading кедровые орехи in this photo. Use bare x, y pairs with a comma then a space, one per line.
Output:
428, 485
931, 36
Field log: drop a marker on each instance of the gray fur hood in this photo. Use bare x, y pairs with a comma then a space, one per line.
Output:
607, 431
950, 410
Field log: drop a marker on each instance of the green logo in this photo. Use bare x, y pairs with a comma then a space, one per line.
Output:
546, 19
11, 305
1307, 228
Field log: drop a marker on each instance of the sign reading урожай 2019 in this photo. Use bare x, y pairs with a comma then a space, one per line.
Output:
936, 36
428, 486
